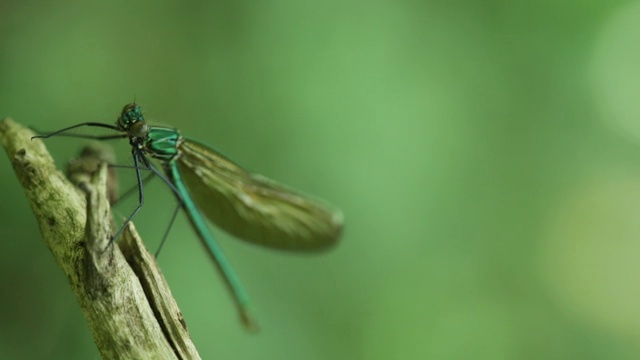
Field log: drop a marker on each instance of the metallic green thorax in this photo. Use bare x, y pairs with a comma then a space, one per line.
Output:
162, 143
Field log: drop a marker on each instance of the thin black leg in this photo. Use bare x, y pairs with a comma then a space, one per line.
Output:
90, 137
150, 167
178, 197
140, 197
166, 233
130, 192
163, 178
89, 124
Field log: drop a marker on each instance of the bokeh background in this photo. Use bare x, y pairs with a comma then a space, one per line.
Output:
486, 156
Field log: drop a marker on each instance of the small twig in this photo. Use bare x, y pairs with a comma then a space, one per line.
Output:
125, 299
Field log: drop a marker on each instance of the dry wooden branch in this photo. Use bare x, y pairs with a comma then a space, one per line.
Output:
121, 292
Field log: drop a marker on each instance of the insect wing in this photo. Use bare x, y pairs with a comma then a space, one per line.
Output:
252, 207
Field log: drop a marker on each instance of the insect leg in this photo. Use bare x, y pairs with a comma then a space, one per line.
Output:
136, 162
166, 233
88, 124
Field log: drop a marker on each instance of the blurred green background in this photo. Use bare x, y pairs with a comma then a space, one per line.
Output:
485, 155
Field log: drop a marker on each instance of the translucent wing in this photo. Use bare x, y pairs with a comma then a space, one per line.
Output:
252, 207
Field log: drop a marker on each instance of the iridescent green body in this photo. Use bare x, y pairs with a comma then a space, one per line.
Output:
247, 206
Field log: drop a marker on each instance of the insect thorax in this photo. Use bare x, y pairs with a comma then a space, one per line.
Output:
162, 143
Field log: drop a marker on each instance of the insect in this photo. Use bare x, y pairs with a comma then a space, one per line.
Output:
248, 206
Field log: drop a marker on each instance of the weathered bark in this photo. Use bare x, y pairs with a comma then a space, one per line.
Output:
121, 292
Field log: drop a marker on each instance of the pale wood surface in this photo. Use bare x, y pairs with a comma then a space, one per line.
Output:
122, 294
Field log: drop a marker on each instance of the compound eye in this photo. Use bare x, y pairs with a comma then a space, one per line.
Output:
139, 129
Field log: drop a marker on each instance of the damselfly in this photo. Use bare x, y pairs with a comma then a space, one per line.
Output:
248, 206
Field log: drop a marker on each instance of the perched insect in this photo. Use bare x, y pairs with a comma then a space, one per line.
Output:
245, 205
